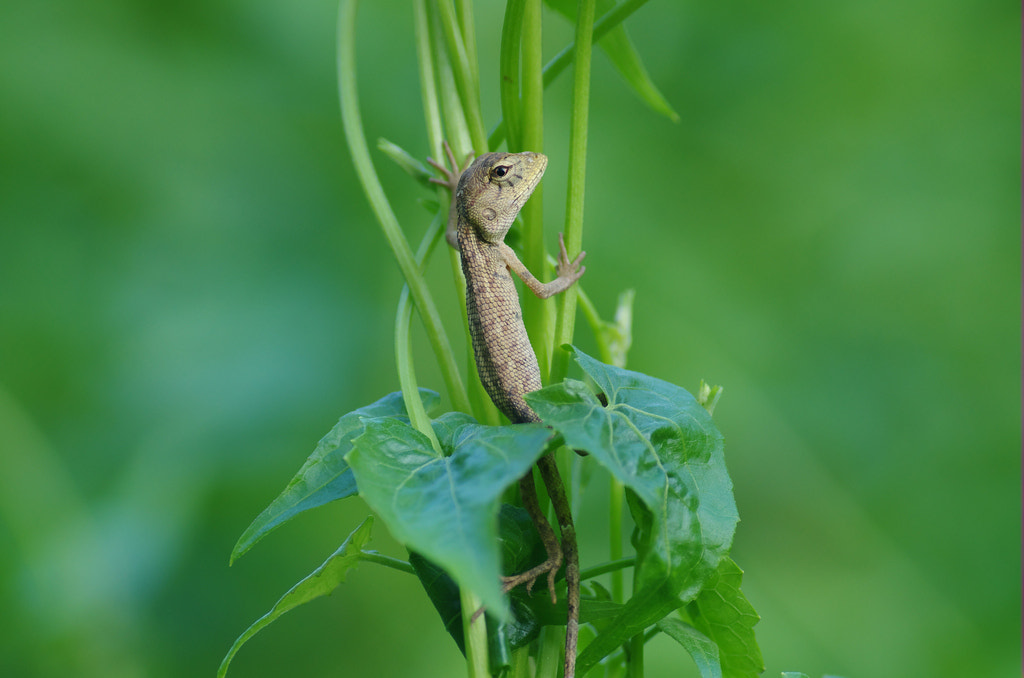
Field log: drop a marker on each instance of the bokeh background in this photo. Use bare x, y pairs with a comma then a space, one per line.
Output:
193, 289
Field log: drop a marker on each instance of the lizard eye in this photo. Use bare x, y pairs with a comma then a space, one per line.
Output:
500, 171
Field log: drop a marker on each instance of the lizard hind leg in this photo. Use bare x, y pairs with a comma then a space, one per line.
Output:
528, 492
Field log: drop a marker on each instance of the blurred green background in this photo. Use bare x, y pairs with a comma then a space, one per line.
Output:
192, 290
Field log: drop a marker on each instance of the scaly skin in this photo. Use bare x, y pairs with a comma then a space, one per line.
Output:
486, 197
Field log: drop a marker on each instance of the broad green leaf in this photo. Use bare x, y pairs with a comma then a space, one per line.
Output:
663, 447
446, 507
325, 476
619, 48
447, 426
443, 594
701, 648
722, 613
321, 582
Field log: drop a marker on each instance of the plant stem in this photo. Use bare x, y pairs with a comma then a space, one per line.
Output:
434, 61
549, 653
465, 83
554, 68
475, 635
386, 561
509, 65
538, 314
615, 538
353, 126
609, 20
464, 12
566, 321
428, 81
609, 566
455, 126
520, 663
403, 350
635, 666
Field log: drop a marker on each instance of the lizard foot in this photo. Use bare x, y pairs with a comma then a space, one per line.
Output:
569, 271
450, 181
530, 577
451, 176
528, 493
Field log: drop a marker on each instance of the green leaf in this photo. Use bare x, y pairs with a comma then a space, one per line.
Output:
701, 648
656, 440
723, 613
446, 507
443, 594
793, 674
325, 476
447, 426
321, 582
619, 48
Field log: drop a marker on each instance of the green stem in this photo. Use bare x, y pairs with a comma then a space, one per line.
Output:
386, 561
538, 314
609, 20
428, 80
550, 651
403, 350
464, 11
615, 538
561, 61
566, 321
468, 88
458, 136
456, 129
353, 126
475, 635
610, 566
520, 663
635, 667
596, 324
509, 64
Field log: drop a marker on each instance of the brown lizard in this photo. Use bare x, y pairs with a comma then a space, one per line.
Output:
486, 197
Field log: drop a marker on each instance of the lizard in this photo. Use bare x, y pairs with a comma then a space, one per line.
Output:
486, 198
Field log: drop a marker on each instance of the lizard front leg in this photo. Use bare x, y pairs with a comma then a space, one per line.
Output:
450, 181
568, 272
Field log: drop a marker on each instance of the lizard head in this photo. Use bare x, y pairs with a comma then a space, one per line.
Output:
495, 187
